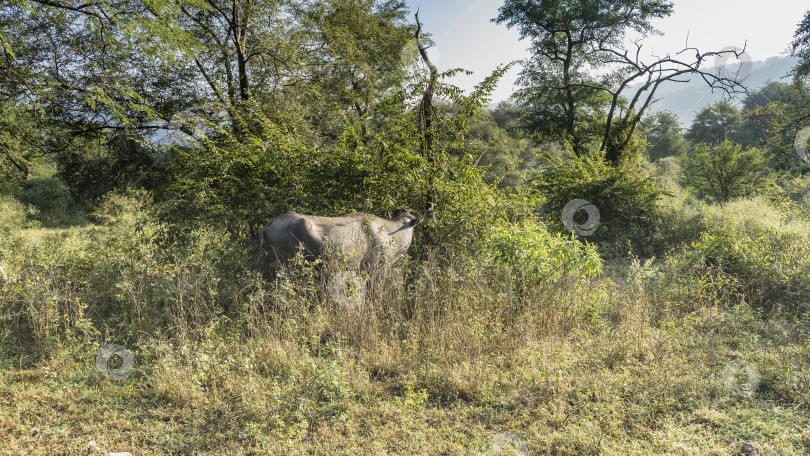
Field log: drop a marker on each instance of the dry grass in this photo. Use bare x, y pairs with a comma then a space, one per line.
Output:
442, 356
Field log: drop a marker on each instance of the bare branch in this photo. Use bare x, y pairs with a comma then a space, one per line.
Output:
661, 70
423, 49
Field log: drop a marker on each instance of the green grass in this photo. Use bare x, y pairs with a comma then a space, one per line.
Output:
617, 387
585, 394
446, 356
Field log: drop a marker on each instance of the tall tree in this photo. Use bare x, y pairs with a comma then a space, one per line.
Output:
716, 123
755, 109
800, 47
793, 114
115, 64
93, 65
724, 171
358, 59
664, 136
577, 86
786, 123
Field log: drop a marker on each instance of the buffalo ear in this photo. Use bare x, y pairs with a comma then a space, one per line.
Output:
399, 213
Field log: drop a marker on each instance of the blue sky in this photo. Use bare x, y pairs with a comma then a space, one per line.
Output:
466, 38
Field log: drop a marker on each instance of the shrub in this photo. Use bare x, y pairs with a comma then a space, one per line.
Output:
681, 223
624, 195
791, 193
115, 276
668, 172
240, 183
14, 215
535, 255
123, 207
52, 199
725, 171
752, 251
94, 165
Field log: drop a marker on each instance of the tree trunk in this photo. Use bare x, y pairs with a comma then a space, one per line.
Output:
21, 166
426, 113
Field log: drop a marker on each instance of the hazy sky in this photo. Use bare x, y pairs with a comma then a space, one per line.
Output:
466, 38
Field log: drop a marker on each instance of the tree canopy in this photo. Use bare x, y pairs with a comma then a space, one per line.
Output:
664, 136
800, 47
583, 84
716, 123
138, 65
724, 171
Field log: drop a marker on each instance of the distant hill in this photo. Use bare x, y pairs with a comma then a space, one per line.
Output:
686, 98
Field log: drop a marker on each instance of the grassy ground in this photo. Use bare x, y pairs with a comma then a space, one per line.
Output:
619, 387
559, 398
443, 357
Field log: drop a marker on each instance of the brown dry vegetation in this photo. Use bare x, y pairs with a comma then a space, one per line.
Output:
445, 355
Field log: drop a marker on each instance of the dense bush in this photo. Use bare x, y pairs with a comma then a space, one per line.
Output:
14, 215
536, 255
240, 183
749, 252
624, 195
49, 195
724, 171
115, 278
507, 156
94, 166
22, 129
